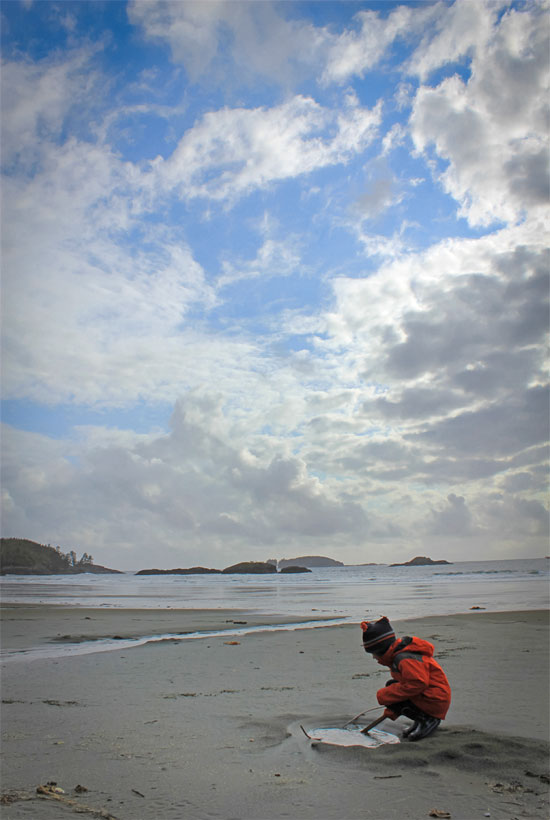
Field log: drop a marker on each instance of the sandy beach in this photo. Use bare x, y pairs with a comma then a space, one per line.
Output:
210, 728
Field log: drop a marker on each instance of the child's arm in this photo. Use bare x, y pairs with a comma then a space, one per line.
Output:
414, 679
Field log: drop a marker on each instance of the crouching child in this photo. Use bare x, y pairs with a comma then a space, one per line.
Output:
418, 688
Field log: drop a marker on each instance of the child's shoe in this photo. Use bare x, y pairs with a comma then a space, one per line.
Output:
423, 728
410, 729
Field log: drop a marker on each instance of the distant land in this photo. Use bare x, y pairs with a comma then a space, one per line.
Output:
18, 556
369, 564
244, 567
309, 561
420, 561
180, 571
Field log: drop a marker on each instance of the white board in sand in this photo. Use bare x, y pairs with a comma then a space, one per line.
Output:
351, 737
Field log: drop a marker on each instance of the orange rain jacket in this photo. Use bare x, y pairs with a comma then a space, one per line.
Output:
419, 677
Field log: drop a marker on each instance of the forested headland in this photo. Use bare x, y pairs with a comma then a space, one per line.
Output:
19, 556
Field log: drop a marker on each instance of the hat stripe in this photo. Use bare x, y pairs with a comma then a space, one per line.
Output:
373, 641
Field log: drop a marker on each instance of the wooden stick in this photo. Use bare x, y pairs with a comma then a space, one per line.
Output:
374, 723
309, 736
359, 715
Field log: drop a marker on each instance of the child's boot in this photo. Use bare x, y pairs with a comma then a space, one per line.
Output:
423, 724
410, 711
423, 728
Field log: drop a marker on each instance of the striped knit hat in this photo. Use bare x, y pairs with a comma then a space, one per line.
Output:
376, 634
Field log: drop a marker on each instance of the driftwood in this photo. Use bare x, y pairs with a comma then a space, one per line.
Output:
49, 792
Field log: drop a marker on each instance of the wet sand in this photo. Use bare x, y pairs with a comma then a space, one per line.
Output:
210, 728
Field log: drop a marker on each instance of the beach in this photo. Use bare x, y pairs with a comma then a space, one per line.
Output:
210, 728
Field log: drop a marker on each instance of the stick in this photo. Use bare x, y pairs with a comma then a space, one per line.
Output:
313, 739
374, 723
359, 715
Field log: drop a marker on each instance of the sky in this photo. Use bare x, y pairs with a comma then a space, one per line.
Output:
275, 279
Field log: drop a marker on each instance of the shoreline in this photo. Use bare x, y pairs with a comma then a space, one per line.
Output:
50, 623
210, 729
109, 628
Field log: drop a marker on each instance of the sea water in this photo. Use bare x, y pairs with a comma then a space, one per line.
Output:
351, 592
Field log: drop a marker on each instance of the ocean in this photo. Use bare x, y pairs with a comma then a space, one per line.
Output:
351, 592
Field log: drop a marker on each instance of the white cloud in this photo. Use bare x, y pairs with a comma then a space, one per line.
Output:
258, 39
231, 152
355, 51
491, 128
457, 31
87, 316
274, 258
36, 100
220, 38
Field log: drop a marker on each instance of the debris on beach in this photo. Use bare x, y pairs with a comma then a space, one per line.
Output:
232, 643
45, 792
7, 798
439, 813
514, 787
51, 791
50, 788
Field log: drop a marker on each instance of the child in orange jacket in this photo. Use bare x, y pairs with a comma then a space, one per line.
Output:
418, 688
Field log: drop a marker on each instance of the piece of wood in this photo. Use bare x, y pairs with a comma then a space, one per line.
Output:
374, 723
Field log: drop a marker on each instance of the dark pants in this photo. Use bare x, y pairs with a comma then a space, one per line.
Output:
408, 709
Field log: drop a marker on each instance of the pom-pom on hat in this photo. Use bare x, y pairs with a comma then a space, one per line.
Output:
376, 634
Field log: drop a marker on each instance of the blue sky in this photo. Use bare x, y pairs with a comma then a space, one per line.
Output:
275, 279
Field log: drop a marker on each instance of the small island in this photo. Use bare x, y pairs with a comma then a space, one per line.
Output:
420, 561
180, 571
256, 567
309, 561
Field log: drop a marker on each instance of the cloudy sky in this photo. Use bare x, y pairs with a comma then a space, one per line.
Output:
275, 279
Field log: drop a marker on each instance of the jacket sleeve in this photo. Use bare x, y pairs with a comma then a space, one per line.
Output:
415, 677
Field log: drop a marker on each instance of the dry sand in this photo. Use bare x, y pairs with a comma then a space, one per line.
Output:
204, 728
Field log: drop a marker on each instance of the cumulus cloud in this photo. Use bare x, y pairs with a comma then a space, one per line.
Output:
456, 31
450, 346
198, 489
453, 519
491, 128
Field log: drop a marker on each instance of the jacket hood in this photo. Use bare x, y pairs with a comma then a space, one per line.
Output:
409, 645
